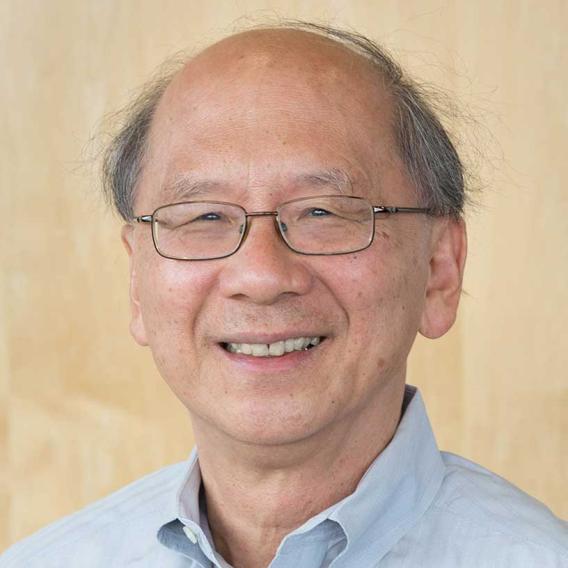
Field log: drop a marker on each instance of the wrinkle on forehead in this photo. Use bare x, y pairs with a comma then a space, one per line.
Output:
188, 187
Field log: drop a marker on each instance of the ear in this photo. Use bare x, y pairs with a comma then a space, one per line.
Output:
444, 285
137, 329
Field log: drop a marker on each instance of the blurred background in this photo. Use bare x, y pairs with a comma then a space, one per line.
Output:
82, 408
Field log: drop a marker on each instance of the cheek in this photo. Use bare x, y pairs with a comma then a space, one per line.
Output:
382, 295
171, 296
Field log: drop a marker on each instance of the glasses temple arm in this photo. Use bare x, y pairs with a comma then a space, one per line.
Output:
143, 219
389, 209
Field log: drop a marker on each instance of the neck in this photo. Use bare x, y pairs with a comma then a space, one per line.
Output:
255, 495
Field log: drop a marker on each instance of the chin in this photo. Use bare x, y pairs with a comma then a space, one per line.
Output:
271, 425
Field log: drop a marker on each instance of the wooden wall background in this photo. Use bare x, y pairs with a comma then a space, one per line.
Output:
82, 410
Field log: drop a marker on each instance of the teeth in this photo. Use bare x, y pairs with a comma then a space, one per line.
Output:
276, 349
259, 349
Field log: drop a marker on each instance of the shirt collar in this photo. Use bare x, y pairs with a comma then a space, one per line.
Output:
392, 495
397, 488
187, 498
186, 530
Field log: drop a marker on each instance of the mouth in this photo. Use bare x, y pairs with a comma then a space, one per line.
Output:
276, 349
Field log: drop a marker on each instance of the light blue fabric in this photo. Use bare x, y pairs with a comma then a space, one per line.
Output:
414, 507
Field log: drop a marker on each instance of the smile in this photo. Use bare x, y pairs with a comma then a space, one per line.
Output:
276, 349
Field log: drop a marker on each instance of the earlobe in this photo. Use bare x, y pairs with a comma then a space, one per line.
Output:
443, 289
137, 329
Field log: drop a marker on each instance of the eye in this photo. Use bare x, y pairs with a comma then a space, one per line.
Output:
319, 212
193, 222
207, 217
211, 217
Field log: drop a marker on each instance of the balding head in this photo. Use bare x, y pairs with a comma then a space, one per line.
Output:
252, 97
422, 144
282, 49
252, 62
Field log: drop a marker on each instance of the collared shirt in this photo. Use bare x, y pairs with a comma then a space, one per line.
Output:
414, 507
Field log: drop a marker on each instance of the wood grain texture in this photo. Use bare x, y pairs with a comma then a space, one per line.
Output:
83, 411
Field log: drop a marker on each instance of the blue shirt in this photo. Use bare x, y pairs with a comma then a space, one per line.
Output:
414, 507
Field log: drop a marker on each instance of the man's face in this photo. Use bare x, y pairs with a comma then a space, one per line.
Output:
259, 122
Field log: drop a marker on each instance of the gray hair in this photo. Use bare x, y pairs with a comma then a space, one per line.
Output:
425, 147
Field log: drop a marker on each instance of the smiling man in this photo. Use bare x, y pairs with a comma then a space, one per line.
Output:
293, 219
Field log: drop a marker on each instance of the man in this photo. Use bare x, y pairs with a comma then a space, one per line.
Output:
294, 219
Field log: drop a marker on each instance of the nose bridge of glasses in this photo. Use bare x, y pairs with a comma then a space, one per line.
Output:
262, 214
275, 217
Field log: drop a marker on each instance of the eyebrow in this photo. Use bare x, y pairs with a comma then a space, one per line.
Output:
188, 187
335, 177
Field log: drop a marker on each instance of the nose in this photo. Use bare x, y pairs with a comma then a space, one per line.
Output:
264, 270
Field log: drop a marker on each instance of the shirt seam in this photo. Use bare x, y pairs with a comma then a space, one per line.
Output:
498, 532
60, 529
21, 555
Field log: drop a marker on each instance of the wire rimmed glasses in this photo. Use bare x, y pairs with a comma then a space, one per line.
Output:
322, 225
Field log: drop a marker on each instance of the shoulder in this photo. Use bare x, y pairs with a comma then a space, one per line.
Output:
134, 512
492, 511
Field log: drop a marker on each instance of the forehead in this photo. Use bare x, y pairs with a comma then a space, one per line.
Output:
267, 107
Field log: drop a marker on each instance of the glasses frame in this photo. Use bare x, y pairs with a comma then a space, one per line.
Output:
388, 209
